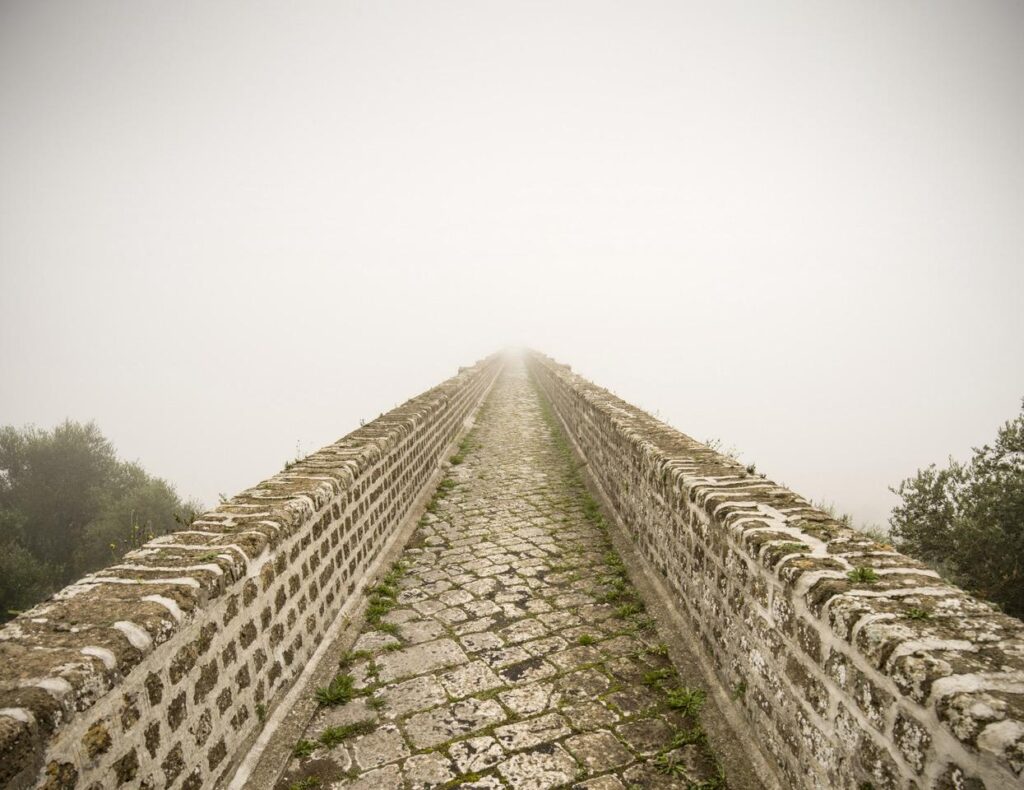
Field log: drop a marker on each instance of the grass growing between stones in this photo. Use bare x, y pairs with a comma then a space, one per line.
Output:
338, 692
384, 598
687, 701
618, 591
332, 736
460, 456
862, 575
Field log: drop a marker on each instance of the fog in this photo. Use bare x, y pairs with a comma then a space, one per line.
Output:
231, 231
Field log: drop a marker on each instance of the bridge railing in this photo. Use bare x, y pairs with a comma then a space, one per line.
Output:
853, 665
163, 668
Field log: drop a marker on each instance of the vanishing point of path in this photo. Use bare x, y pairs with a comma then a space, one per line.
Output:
507, 648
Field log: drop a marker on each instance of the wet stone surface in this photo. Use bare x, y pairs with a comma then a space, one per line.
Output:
508, 650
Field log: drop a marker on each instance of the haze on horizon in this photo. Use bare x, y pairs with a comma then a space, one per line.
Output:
230, 231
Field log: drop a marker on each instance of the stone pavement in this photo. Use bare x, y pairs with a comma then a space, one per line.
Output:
507, 648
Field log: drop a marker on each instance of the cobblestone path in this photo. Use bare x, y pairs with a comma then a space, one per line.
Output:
507, 647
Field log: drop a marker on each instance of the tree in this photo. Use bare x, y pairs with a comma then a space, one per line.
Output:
55, 481
69, 506
968, 519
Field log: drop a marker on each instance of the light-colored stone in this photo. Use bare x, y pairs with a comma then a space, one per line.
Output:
418, 659
474, 755
412, 695
387, 778
443, 724
383, 745
469, 679
524, 734
598, 751
424, 771
539, 770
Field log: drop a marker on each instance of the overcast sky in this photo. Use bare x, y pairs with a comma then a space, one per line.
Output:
231, 230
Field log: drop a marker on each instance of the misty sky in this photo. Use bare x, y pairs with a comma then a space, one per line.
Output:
231, 230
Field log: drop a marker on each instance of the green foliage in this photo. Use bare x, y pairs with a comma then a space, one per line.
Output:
332, 736
586, 639
68, 506
306, 784
862, 575
338, 691
383, 598
686, 700
24, 580
303, 748
967, 520
628, 610
670, 764
656, 677
695, 735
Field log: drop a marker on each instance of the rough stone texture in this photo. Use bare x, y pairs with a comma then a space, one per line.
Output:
521, 666
157, 669
900, 681
507, 660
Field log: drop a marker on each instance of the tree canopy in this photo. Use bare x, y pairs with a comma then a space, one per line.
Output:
69, 506
968, 519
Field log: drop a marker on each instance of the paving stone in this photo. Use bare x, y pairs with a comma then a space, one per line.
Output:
484, 678
418, 659
527, 671
474, 643
686, 771
646, 736
543, 647
598, 751
601, 783
531, 732
527, 700
374, 641
427, 770
387, 778
633, 700
412, 695
416, 631
575, 657
351, 712
483, 783
443, 724
469, 679
539, 769
589, 716
474, 755
383, 745
505, 656
583, 685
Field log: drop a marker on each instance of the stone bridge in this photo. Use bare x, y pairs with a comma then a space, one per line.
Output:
514, 580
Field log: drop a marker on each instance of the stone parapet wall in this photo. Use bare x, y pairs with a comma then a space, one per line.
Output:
854, 666
159, 671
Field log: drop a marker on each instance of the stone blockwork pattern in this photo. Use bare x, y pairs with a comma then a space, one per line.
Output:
855, 666
158, 671
508, 649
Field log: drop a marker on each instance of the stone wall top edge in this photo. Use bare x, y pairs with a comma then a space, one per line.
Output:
941, 649
121, 613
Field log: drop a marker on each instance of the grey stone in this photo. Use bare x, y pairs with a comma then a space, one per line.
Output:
419, 659
443, 724
539, 770
474, 755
